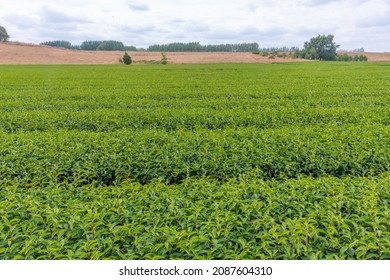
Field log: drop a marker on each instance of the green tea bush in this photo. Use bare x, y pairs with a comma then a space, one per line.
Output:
281, 161
247, 218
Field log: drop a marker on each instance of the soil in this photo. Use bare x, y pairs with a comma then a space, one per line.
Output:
20, 53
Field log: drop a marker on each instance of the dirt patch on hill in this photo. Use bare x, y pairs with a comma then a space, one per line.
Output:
17, 53
20, 53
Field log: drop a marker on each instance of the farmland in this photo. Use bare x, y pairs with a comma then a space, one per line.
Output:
221, 161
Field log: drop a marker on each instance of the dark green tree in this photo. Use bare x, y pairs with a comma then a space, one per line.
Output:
131, 48
321, 47
90, 45
3, 34
58, 44
363, 58
111, 46
126, 59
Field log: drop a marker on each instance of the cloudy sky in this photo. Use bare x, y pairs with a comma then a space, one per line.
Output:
276, 23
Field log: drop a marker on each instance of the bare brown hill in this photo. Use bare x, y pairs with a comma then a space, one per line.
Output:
20, 53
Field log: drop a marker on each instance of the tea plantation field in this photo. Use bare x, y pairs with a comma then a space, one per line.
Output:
231, 161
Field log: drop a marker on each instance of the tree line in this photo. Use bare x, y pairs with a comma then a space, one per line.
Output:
109, 45
197, 47
171, 47
321, 47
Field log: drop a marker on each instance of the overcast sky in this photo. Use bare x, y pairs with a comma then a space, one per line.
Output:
271, 23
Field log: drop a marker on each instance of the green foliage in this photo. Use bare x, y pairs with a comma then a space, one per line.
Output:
3, 34
126, 59
111, 46
346, 57
164, 59
105, 45
321, 47
59, 44
131, 48
197, 47
283, 161
248, 218
90, 45
363, 58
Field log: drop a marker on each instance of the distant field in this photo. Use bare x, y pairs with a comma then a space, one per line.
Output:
20, 53
223, 161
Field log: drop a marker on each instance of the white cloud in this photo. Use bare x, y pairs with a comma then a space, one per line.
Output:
355, 23
138, 6
379, 21
22, 21
315, 3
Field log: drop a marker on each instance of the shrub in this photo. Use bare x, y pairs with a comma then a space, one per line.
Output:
164, 59
363, 58
126, 59
343, 57
298, 54
346, 57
